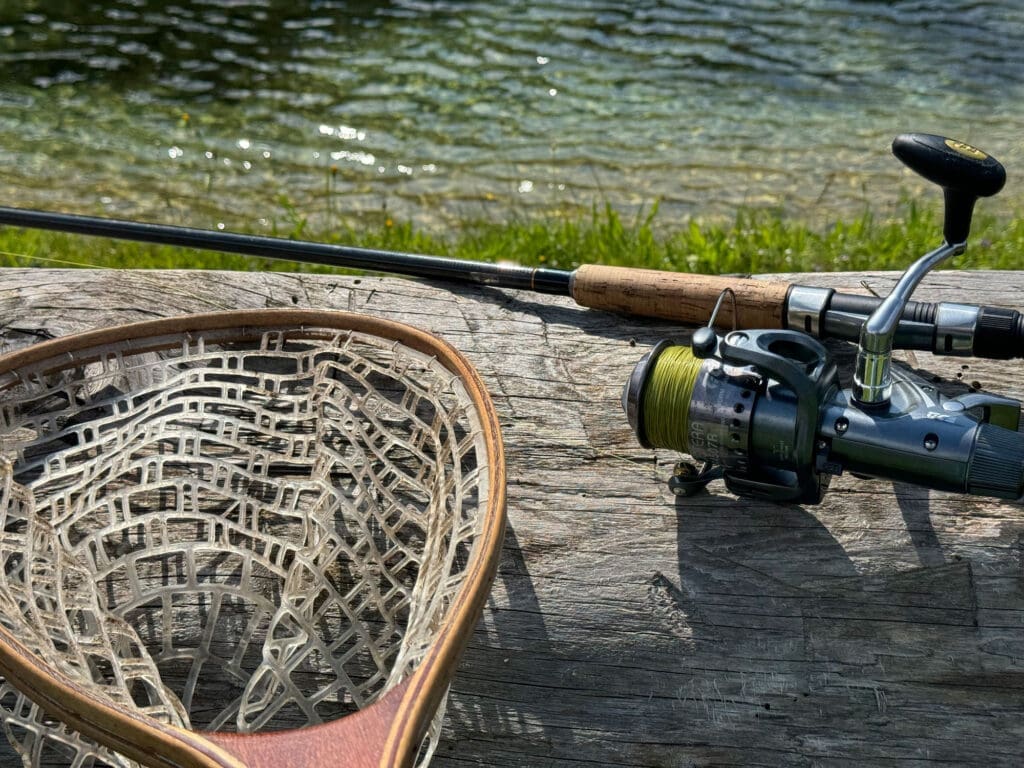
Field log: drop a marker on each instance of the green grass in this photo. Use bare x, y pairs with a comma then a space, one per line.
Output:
754, 242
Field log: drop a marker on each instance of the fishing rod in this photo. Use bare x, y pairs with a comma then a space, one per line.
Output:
764, 411
944, 328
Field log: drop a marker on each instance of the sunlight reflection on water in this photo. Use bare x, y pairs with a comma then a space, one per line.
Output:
445, 110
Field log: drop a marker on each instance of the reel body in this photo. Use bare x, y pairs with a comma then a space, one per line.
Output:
764, 409
766, 413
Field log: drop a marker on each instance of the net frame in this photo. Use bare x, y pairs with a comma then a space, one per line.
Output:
387, 732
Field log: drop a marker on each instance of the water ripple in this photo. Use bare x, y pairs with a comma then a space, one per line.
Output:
205, 110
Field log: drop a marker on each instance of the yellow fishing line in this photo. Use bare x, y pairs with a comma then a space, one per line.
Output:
29, 257
666, 405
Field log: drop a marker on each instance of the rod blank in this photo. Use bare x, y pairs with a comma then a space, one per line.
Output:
950, 329
371, 260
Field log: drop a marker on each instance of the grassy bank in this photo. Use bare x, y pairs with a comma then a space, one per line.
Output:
755, 242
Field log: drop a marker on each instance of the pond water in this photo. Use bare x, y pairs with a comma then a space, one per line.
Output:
236, 111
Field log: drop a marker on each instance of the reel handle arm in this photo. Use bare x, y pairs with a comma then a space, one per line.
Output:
965, 174
872, 377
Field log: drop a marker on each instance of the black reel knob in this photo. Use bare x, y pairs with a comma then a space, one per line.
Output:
964, 173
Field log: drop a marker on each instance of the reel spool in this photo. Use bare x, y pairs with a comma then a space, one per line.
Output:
728, 404
669, 375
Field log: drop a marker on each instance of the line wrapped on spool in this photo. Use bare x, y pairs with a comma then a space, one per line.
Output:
666, 402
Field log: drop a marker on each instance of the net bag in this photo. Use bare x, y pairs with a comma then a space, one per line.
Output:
239, 522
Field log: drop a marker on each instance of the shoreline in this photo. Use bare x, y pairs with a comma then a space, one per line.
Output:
754, 241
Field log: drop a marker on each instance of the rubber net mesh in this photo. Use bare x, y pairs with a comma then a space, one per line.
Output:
232, 531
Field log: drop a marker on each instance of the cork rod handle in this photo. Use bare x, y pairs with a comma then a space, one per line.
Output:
682, 297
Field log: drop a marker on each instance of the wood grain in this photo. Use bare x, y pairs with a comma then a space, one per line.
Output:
630, 628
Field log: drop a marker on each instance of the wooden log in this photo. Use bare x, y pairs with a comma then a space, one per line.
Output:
631, 628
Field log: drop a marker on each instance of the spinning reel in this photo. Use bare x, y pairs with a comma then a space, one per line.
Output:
763, 409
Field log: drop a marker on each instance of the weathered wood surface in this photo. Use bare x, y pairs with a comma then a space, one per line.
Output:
629, 628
